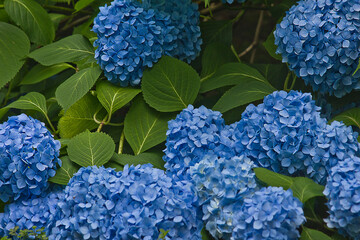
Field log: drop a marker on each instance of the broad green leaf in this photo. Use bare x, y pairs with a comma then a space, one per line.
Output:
241, 95
311, 234
89, 149
3, 112
215, 55
79, 117
305, 189
144, 158
170, 85
270, 46
113, 97
3, 16
66, 172
205, 234
69, 49
273, 179
14, 46
82, 4
115, 165
76, 86
31, 101
232, 74
32, 18
349, 117
216, 31
40, 73
144, 127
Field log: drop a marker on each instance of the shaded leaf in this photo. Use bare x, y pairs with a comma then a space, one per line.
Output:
311, 234
79, 117
144, 127
241, 95
273, 179
31, 101
232, 74
82, 4
305, 189
66, 172
89, 149
32, 18
14, 46
216, 31
144, 158
76, 86
69, 49
113, 97
40, 73
350, 117
270, 46
170, 85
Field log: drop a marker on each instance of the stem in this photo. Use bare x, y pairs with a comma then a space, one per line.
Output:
235, 53
115, 124
121, 143
64, 9
287, 81
76, 22
293, 82
50, 124
238, 16
102, 123
7, 96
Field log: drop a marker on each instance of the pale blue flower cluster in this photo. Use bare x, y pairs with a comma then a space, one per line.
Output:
220, 183
343, 193
190, 136
320, 41
136, 203
39, 212
270, 213
29, 157
134, 35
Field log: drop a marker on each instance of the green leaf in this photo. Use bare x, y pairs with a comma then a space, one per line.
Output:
311, 234
214, 56
232, 74
113, 97
117, 167
170, 85
82, 4
65, 173
270, 46
89, 149
216, 31
144, 127
350, 117
14, 46
31, 101
241, 95
33, 19
205, 234
76, 86
69, 49
79, 117
305, 189
40, 73
144, 158
273, 179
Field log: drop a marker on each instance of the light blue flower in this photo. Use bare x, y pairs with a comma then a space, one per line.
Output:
220, 183
343, 193
29, 157
269, 214
320, 41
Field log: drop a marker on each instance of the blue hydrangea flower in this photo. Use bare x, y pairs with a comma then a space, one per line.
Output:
232, 1
88, 206
149, 201
190, 136
220, 182
343, 193
29, 157
130, 38
320, 41
185, 18
25, 214
134, 35
271, 214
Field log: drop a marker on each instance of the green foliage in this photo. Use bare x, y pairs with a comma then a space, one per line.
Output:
154, 158
89, 149
25, 234
311, 234
40, 73
14, 46
170, 85
65, 173
350, 117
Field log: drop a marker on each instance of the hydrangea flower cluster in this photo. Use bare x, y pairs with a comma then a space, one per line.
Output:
29, 157
320, 41
137, 203
270, 213
190, 136
343, 193
148, 201
220, 183
39, 212
134, 35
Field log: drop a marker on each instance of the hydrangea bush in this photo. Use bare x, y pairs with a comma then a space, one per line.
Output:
179, 119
